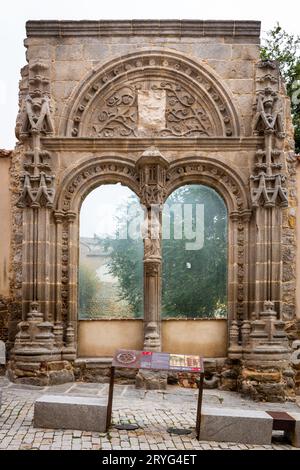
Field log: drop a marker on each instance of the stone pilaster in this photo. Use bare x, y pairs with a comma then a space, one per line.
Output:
265, 343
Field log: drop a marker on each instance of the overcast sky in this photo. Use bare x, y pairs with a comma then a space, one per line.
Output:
14, 14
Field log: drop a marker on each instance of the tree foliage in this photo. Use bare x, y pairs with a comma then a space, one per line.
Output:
88, 292
194, 283
285, 49
126, 262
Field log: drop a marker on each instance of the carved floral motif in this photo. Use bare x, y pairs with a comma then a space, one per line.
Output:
186, 113
118, 114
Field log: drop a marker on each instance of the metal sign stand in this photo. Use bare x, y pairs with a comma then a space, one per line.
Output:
199, 404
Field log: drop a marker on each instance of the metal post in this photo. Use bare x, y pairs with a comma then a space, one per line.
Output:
199, 406
110, 398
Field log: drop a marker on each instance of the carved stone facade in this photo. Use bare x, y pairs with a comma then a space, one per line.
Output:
153, 105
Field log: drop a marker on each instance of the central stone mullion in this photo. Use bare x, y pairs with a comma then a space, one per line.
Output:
152, 168
152, 279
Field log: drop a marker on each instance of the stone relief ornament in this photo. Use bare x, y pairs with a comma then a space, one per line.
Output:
269, 112
38, 190
182, 97
38, 118
161, 109
268, 183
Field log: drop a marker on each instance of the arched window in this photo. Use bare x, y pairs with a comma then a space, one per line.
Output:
111, 255
194, 251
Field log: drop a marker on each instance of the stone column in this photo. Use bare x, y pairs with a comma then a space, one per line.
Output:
69, 351
152, 279
58, 324
152, 168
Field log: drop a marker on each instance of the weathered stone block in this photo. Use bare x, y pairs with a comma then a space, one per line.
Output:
233, 68
67, 412
2, 353
69, 52
295, 437
245, 51
40, 52
69, 70
151, 380
232, 425
96, 51
212, 51
262, 376
240, 86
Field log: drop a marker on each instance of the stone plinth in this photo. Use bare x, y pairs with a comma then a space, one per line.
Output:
67, 412
236, 425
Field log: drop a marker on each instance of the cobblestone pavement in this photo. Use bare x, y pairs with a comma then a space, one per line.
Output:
154, 411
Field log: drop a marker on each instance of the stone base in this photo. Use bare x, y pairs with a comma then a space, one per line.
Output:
98, 370
233, 425
269, 381
40, 373
67, 412
151, 380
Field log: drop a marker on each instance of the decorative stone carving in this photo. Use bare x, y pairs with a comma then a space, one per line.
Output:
37, 191
269, 190
35, 340
38, 118
268, 117
81, 177
267, 185
152, 337
158, 109
220, 177
268, 340
152, 168
204, 111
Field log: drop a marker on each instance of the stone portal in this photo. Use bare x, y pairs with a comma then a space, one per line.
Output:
153, 105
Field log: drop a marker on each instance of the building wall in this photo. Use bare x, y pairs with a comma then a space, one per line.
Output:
207, 338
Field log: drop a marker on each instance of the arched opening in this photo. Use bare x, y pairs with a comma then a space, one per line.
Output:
110, 272
194, 271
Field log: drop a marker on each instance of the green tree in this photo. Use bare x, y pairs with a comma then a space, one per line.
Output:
88, 292
285, 49
126, 263
194, 282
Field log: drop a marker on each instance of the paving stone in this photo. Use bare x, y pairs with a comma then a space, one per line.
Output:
155, 421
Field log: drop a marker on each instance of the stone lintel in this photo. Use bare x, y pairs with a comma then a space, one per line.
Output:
175, 28
139, 144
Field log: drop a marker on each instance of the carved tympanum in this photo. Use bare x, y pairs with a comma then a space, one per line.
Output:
157, 108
